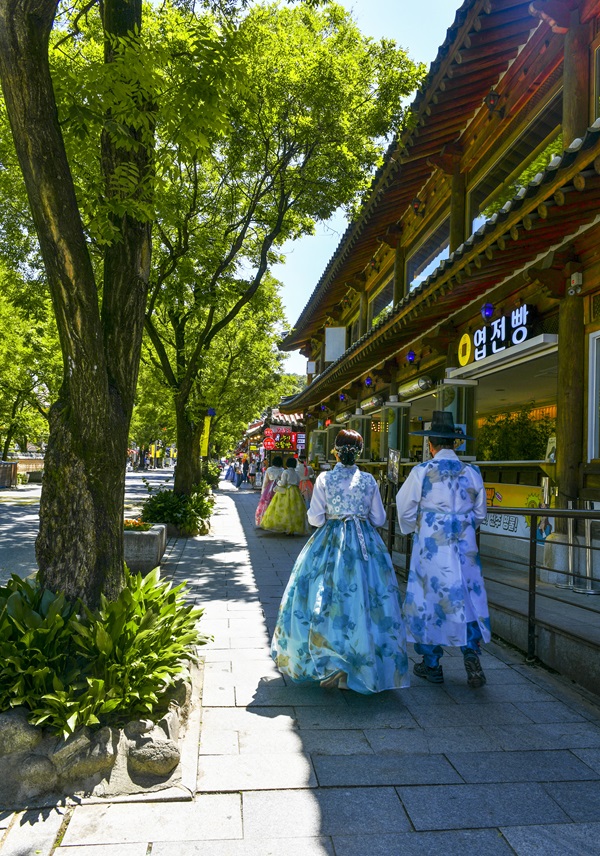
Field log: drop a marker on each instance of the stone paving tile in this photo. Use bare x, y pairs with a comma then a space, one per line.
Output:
580, 800
33, 832
219, 742
139, 849
479, 806
536, 766
549, 711
264, 847
490, 693
551, 735
240, 719
209, 816
388, 769
265, 695
254, 772
456, 843
467, 714
331, 811
591, 757
307, 741
434, 740
327, 717
558, 840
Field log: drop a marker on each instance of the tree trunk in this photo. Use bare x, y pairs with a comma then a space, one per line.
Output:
80, 543
189, 434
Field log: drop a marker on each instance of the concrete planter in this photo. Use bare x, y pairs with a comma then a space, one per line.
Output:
144, 550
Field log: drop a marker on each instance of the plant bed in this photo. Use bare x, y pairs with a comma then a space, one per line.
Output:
144, 549
90, 699
185, 515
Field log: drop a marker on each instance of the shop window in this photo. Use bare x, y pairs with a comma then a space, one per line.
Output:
594, 398
352, 332
429, 255
530, 154
381, 303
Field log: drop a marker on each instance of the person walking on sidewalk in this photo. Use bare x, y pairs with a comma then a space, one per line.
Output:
340, 622
443, 502
286, 513
270, 479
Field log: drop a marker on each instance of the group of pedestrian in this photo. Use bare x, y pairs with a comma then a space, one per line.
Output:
341, 622
239, 471
285, 496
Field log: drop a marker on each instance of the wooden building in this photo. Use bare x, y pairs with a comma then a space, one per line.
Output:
470, 281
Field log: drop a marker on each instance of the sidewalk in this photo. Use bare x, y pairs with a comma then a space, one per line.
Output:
513, 767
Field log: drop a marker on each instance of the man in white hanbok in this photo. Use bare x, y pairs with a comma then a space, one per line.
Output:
443, 502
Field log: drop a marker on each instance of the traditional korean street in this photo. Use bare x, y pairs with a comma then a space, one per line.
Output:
513, 767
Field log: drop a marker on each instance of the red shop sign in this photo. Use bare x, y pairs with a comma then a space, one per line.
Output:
269, 444
268, 432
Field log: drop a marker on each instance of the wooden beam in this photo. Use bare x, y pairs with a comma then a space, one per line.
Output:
556, 14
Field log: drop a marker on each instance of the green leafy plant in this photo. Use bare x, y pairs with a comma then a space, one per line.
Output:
514, 437
211, 474
186, 511
72, 666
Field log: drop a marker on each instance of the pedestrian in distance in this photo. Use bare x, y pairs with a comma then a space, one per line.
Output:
286, 513
270, 478
306, 480
339, 623
443, 502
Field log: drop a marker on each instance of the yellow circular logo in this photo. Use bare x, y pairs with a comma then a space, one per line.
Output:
464, 350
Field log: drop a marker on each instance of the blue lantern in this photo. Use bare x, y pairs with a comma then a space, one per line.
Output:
411, 356
487, 310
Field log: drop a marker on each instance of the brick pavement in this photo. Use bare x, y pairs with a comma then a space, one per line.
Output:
511, 768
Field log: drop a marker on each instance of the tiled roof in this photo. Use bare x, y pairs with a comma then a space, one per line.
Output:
496, 251
485, 37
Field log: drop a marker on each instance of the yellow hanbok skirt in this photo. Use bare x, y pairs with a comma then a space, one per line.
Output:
286, 512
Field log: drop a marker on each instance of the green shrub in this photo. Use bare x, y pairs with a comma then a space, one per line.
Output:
211, 474
514, 436
95, 668
186, 511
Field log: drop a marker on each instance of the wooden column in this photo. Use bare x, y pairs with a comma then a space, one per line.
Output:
363, 316
458, 207
399, 273
570, 398
576, 80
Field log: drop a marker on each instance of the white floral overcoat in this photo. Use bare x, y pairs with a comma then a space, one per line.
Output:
443, 502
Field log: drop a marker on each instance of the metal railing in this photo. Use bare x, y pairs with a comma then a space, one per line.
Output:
582, 583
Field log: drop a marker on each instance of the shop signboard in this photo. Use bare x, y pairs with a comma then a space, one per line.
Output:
301, 441
515, 496
268, 432
269, 444
499, 334
285, 441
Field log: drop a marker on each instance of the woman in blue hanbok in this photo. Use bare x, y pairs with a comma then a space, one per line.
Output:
339, 622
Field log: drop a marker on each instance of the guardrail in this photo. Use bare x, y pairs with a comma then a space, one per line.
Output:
584, 583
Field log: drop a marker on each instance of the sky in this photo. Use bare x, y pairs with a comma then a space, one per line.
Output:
420, 28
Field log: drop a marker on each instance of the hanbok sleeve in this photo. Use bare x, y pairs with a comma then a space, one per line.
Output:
317, 513
480, 508
377, 514
407, 502
284, 479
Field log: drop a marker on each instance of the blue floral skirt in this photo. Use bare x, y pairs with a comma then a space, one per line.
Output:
341, 611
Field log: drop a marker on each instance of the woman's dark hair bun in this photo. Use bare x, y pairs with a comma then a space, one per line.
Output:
348, 445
